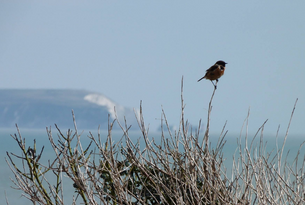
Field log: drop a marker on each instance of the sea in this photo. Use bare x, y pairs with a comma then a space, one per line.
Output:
9, 193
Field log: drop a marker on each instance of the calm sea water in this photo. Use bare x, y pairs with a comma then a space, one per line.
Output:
8, 144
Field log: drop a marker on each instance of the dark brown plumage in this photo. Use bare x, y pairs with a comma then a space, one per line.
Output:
215, 72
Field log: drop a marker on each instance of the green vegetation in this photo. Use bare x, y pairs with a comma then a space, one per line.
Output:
182, 169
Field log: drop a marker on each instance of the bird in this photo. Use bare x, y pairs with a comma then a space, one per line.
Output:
215, 72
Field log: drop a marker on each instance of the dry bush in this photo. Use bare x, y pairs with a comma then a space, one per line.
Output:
182, 169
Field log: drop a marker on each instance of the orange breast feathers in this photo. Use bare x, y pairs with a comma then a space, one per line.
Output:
215, 73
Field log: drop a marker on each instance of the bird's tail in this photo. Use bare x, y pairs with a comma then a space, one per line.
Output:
201, 78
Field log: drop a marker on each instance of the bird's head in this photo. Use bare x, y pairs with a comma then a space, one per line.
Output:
221, 63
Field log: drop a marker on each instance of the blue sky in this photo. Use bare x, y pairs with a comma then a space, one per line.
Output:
139, 50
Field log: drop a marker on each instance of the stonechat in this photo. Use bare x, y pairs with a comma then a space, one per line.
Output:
215, 72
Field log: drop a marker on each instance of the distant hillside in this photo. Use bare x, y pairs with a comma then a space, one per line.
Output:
41, 108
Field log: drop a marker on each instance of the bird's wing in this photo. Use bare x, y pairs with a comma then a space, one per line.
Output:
212, 68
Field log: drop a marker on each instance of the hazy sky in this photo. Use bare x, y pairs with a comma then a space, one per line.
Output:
139, 50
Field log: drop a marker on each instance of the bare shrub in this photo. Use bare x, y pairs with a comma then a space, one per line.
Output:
182, 169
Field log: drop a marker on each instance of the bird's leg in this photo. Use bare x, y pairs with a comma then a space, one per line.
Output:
215, 85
